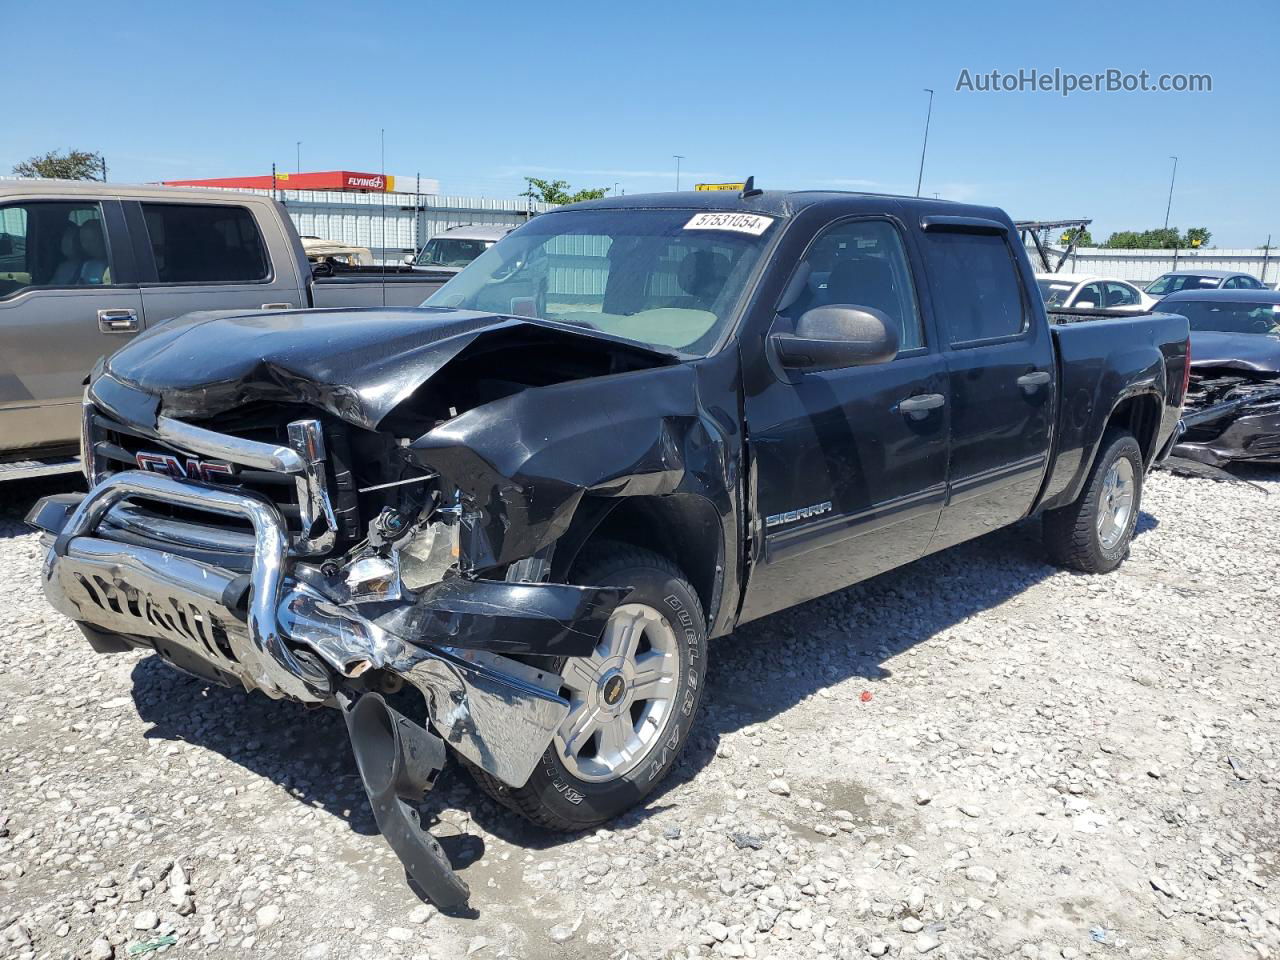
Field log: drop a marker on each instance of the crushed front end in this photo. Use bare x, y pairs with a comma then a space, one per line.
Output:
1231, 415
276, 547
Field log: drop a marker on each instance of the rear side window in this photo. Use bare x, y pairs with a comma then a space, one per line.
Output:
194, 243
1121, 295
976, 282
52, 243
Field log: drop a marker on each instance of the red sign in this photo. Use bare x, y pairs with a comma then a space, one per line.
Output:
328, 180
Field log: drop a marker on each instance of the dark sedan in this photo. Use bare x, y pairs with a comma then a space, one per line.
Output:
1232, 409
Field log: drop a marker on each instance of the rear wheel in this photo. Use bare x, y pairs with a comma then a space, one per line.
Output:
632, 702
1093, 534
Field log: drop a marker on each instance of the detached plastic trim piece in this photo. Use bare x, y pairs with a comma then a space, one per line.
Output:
398, 762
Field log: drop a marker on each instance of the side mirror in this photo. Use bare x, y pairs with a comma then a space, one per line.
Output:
1084, 305
408, 259
837, 336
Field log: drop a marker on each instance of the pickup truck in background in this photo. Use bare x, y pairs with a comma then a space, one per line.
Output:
84, 267
630, 426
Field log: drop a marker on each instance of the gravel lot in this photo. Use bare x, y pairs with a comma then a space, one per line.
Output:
978, 756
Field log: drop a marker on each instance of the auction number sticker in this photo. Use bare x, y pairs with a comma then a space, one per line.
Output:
749, 223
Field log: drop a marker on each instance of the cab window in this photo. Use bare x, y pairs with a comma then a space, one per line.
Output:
863, 263
978, 292
194, 243
52, 243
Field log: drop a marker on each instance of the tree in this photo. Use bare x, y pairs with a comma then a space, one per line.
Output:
557, 191
1082, 237
72, 165
1198, 237
1166, 238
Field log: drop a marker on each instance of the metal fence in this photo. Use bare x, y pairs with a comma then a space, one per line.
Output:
1140, 266
392, 225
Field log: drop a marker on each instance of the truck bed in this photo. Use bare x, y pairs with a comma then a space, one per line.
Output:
1101, 361
372, 286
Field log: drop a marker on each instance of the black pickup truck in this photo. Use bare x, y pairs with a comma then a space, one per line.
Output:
627, 428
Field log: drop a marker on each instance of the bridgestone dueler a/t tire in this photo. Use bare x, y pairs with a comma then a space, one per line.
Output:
556, 799
1071, 532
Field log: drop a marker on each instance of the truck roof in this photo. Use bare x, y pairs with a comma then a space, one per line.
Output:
94, 188
777, 203
476, 231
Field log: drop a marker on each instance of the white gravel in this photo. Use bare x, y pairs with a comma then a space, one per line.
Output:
977, 756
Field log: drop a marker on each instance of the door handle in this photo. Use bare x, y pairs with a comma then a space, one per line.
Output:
118, 321
1033, 381
918, 407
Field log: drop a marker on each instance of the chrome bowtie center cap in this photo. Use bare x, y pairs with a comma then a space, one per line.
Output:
612, 689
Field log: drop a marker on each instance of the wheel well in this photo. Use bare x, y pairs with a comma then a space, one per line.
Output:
681, 527
1140, 415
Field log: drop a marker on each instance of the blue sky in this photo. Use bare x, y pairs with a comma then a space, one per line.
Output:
800, 94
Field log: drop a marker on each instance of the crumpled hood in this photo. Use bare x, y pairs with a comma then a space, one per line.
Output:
1254, 352
357, 363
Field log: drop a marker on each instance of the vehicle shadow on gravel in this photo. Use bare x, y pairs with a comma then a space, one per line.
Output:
758, 672
767, 666
19, 496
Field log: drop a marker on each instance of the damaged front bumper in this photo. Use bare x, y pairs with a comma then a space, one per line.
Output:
277, 630
1245, 430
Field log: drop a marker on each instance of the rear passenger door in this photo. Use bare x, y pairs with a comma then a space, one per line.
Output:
1000, 371
68, 295
206, 256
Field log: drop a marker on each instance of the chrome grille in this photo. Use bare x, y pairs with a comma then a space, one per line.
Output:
283, 463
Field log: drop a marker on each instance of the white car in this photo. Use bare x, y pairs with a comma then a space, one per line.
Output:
450, 251
1082, 291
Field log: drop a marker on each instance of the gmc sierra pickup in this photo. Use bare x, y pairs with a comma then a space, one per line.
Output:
84, 267
625, 429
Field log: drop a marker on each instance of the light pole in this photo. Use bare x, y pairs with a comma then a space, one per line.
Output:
678, 157
615, 188
927, 117
1169, 205
298, 146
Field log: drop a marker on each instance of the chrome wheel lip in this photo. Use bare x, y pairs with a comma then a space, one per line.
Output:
1116, 503
599, 718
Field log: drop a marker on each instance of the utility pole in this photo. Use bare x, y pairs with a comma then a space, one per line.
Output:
615, 188
924, 146
1169, 206
104, 167
298, 146
678, 157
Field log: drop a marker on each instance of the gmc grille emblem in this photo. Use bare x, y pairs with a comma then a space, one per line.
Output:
192, 468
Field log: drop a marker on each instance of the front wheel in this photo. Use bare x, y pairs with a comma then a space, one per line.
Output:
631, 703
1093, 533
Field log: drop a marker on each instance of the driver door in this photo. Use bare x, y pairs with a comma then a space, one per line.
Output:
845, 482
67, 297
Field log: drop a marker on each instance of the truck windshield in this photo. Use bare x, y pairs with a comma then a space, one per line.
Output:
451, 251
1227, 317
665, 278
